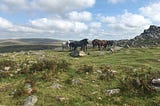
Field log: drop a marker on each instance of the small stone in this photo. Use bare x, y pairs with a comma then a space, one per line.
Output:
7, 68
111, 92
95, 92
76, 82
56, 86
99, 71
156, 82
99, 98
30, 101
114, 71
61, 98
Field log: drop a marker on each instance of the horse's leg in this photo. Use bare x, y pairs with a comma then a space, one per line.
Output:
81, 48
62, 47
99, 47
93, 46
70, 47
75, 47
86, 47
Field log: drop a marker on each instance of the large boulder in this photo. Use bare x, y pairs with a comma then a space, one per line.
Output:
76, 53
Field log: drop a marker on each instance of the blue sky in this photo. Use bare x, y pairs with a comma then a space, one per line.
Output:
77, 19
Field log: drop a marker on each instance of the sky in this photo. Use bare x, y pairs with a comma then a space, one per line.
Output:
77, 19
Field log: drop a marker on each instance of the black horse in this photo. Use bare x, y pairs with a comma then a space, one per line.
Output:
82, 43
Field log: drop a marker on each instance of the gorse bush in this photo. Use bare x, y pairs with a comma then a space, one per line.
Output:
138, 83
43, 65
6, 68
63, 65
85, 69
107, 73
7, 63
49, 66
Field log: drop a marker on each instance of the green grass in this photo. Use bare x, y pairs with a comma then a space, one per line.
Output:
124, 62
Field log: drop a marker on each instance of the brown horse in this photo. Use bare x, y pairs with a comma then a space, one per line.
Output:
99, 43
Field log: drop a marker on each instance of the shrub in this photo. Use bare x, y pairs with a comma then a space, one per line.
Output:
6, 68
85, 69
43, 65
107, 73
7, 63
137, 83
63, 65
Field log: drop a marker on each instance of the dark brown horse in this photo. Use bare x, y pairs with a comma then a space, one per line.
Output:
99, 43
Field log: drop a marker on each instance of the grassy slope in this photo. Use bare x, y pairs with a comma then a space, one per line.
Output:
81, 95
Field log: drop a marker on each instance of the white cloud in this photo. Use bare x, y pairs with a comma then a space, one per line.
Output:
108, 19
5, 24
95, 25
151, 11
47, 6
115, 1
63, 5
14, 5
80, 16
8, 27
126, 24
58, 24
43, 26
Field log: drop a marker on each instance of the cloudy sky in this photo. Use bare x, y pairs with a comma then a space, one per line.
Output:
77, 19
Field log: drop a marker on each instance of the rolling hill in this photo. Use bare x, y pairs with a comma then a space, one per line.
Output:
29, 41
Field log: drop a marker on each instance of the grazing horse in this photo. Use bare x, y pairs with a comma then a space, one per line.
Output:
65, 45
82, 43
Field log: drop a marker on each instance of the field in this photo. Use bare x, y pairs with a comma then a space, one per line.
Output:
57, 79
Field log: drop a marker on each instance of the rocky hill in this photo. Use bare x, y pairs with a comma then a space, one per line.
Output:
150, 37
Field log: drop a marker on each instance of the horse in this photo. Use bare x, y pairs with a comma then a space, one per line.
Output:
65, 45
82, 43
95, 43
99, 43
102, 43
111, 43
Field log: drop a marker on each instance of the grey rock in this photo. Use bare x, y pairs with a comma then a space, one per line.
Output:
56, 86
76, 82
150, 37
156, 82
111, 92
76, 53
30, 101
61, 98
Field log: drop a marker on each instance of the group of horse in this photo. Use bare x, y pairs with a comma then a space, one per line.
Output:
73, 45
102, 44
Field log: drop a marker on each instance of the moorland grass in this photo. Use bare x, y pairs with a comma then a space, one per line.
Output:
91, 90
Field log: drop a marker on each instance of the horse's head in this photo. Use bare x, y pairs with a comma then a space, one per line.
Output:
86, 41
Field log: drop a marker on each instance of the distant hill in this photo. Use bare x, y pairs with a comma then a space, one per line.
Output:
150, 37
29, 41
16, 45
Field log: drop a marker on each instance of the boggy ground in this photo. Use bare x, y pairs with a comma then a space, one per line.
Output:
58, 79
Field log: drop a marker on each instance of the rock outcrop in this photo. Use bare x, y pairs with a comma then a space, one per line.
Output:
150, 37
